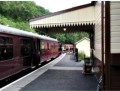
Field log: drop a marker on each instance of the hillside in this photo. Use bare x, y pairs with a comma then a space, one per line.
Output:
17, 13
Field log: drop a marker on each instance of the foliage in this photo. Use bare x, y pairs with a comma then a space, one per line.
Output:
16, 24
17, 13
60, 37
21, 10
70, 38
81, 56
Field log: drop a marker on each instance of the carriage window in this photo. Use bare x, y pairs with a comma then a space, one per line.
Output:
25, 47
42, 45
6, 48
9, 41
2, 40
42, 48
52, 46
48, 47
45, 45
6, 40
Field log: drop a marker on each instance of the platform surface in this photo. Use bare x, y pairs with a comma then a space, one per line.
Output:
63, 74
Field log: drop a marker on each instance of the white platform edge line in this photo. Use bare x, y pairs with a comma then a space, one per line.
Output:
66, 68
60, 58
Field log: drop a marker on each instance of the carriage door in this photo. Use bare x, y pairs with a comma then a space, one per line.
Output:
26, 51
38, 49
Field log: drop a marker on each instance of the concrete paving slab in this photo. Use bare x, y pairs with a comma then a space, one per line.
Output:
69, 61
62, 80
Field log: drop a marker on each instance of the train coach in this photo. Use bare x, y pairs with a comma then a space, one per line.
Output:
20, 50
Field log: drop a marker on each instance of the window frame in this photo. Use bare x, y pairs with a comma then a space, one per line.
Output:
6, 48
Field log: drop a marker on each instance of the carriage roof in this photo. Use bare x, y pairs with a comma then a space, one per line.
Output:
14, 31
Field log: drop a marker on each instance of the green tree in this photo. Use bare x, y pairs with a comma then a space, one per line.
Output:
70, 38
17, 13
21, 10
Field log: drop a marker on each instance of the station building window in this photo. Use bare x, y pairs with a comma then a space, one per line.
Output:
6, 48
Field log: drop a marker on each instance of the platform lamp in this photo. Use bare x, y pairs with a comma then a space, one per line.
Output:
64, 29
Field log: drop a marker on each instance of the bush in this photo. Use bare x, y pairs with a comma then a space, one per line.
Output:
81, 56
23, 25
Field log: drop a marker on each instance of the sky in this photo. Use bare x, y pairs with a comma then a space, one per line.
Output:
58, 5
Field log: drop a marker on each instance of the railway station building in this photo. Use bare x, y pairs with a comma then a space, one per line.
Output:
102, 21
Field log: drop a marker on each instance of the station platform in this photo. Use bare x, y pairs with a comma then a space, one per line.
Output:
62, 74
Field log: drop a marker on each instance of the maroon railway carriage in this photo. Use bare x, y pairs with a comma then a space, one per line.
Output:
20, 50
67, 47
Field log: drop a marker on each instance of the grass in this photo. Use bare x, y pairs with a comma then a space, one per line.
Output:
81, 56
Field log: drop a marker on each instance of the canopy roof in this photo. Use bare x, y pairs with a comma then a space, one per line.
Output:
77, 16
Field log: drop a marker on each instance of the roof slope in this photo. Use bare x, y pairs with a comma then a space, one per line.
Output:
14, 31
85, 38
80, 15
